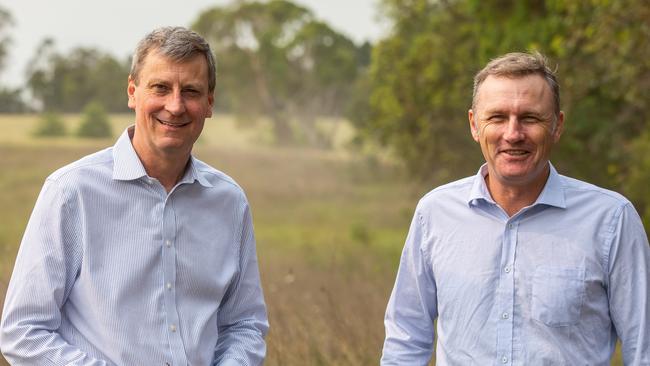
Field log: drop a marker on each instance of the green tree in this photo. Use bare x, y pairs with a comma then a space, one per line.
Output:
50, 125
11, 101
67, 83
6, 21
280, 62
419, 83
602, 50
94, 122
420, 79
10, 98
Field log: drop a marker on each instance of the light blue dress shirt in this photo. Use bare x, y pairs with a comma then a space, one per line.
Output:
555, 284
113, 270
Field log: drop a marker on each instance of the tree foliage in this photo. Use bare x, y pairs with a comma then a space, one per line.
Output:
279, 61
420, 80
50, 125
6, 21
66, 83
637, 181
94, 122
11, 101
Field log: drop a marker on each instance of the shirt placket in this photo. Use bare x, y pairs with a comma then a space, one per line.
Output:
505, 323
169, 248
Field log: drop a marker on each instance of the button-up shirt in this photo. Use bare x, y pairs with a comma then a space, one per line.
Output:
555, 284
113, 270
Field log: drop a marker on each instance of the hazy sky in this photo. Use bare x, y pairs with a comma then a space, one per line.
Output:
116, 26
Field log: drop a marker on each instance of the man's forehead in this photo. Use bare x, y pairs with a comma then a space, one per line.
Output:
155, 55
495, 88
516, 81
156, 65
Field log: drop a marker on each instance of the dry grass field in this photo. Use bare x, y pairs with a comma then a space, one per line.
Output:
330, 225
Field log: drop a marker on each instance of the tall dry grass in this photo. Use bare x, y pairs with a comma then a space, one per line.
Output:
329, 226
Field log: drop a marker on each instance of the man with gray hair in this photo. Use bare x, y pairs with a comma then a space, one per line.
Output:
141, 254
519, 265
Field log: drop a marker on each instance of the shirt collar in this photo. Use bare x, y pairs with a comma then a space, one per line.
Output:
479, 191
194, 174
553, 192
127, 164
551, 195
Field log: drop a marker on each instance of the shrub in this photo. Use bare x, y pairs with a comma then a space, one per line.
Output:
50, 125
94, 122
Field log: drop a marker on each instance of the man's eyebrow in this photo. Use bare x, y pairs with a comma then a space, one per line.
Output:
531, 111
525, 112
189, 85
192, 85
494, 110
156, 81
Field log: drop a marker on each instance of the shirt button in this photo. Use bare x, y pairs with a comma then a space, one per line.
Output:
507, 269
169, 286
504, 359
168, 243
172, 328
505, 315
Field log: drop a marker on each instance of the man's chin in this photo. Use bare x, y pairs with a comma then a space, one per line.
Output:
172, 145
519, 175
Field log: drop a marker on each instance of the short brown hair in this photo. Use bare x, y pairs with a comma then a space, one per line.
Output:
178, 44
518, 64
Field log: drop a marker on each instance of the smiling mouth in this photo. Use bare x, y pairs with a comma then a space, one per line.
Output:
515, 152
170, 124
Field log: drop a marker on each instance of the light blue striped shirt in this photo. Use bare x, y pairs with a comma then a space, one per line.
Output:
555, 284
113, 270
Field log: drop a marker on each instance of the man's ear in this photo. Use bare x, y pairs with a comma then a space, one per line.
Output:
130, 92
559, 127
473, 126
210, 105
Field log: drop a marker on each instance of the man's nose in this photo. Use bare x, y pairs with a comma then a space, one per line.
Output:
175, 104
514, 130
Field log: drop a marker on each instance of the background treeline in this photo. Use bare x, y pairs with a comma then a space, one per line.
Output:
411, 90
418, 88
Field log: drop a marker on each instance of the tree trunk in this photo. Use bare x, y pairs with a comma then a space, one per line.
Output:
281, 129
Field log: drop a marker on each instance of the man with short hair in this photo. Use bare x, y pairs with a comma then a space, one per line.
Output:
519, 265
141, 254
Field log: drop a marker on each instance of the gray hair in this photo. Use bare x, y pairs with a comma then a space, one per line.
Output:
518, 64
176, 43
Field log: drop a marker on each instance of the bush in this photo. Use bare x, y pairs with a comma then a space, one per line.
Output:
11, 101
94, 122
50, 125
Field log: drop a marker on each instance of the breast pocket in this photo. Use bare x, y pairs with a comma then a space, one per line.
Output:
558, 294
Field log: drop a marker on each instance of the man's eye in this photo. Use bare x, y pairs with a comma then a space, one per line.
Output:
529, 119
159, 88
191, 92
496, 118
